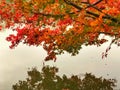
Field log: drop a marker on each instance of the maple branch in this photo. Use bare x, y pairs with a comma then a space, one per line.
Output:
93, 6
97, 2
73, 4
92, 13
79, 9
88, 2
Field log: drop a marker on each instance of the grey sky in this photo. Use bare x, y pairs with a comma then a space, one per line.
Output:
15, 63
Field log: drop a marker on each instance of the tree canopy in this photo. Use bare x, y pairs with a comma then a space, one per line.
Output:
61, 25
48, 79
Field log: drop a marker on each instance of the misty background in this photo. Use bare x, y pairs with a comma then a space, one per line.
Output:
14, 63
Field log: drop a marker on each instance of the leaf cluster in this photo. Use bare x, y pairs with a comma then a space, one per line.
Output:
45, 23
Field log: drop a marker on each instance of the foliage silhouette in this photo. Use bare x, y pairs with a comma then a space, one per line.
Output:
48, 79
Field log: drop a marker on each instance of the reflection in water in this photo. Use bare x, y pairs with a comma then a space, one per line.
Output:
15, 63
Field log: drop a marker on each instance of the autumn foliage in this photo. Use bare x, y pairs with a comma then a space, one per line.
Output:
61, 25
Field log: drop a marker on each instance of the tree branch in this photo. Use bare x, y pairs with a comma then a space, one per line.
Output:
79, 9
92, 13
88, 2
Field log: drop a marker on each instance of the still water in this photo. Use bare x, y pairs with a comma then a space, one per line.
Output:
15, 63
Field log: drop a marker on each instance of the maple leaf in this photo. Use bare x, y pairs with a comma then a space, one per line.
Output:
45, 23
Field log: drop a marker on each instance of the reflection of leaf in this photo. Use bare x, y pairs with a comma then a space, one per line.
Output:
48, 79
